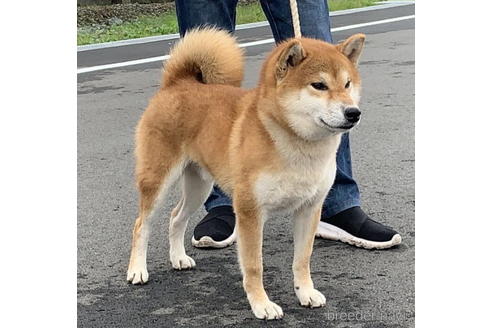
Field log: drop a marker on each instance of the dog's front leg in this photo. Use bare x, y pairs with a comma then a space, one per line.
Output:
249, 242
306, 222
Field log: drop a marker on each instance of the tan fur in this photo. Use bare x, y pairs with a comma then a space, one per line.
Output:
257, 145
210, 52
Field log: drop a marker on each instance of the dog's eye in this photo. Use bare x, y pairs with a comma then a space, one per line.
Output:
347, 85
319, 86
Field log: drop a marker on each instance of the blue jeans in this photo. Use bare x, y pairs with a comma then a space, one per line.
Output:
315, 23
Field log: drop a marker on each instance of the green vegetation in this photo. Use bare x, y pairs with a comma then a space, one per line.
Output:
141, 27
349, 4
166, 23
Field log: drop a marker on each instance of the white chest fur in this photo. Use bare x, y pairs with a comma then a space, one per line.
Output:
285, 191
306, 175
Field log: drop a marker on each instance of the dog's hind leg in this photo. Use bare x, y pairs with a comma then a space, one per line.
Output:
158, 167
151, 196
195, 191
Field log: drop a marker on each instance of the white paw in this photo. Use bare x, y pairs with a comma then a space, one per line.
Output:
267, 310
182, 262
137, 275
310, 297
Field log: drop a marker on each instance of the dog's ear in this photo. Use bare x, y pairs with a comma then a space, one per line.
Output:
291, 56
352, 47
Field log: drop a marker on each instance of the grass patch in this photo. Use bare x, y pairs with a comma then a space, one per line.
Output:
350, 4
138, 28
249, 14
166, 23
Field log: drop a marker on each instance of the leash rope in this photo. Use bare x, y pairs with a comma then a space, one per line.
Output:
295, 18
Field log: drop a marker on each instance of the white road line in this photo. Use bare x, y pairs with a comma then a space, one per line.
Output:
242, 45
383, 21
122, 64
155, 38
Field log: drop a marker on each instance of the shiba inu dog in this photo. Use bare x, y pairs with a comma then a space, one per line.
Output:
272, 148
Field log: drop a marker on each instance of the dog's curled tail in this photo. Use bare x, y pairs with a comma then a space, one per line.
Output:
208, 55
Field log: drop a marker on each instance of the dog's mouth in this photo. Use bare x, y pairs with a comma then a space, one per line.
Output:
339, 127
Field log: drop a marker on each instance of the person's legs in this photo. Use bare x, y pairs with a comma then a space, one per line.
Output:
344, 193
313, 16
217, 198
220, 13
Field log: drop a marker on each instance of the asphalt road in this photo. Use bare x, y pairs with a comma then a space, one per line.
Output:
363, 288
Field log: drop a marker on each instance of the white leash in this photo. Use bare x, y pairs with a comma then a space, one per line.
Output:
295, 18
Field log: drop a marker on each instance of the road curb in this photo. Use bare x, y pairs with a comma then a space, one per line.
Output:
121, 43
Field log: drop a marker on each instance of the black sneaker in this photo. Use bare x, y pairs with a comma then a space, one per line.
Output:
216, 229
354, 227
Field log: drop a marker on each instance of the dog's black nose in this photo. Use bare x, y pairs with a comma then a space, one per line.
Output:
352, 114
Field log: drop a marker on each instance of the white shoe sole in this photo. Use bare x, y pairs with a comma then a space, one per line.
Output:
331, 232
208, 242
